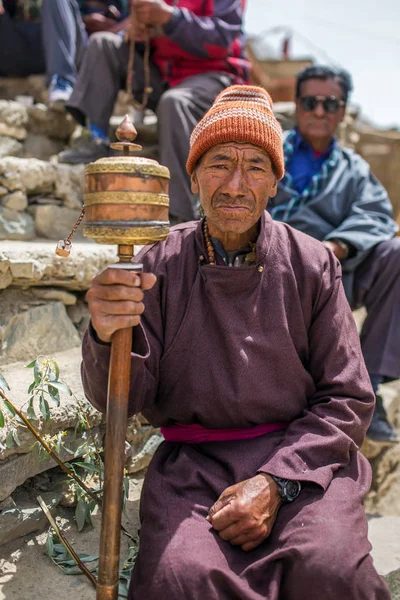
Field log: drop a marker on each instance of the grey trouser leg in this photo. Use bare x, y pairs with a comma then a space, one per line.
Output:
179, 110
102, 75
21, 49
64, 37
377, 287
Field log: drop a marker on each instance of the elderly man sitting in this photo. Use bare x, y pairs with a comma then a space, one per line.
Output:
245, 352
330, 193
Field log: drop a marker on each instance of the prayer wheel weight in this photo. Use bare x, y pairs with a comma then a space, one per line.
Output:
126, 203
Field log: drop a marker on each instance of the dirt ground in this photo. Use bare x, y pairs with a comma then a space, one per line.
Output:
27, 573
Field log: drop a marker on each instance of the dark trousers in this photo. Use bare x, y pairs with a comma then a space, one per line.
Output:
103, 74
54, 46
377, 287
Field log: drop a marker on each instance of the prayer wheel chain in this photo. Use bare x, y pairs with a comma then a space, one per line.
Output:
64, 246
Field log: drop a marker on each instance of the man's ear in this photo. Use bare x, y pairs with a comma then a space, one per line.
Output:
194, 184
274, 189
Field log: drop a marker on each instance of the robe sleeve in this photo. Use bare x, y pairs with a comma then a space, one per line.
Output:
369, 220
321, 439
144, 364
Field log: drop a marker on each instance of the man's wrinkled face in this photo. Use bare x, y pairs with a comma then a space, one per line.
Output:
234, 181
318, 123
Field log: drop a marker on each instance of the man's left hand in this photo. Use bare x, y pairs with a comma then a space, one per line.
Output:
153, 12
245, 513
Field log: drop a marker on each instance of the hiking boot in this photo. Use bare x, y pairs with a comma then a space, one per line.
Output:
60, 92
84, 150
380, 430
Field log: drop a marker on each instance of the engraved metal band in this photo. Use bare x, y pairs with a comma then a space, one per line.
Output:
109, 197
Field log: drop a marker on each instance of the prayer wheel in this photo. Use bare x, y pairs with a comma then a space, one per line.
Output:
126, 203
126, 198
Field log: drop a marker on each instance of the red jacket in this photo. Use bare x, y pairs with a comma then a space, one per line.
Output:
202, 36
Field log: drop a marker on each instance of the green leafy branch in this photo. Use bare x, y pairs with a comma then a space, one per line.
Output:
45, 383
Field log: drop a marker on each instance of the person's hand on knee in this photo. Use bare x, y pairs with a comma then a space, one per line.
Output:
245, 513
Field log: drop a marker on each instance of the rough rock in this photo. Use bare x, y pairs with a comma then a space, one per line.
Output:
14, 301
393, 581
39, 146
9, 147
55, 222
50, 123
17, 521
79, 315
33, 87
13, 118
47, 269
138, 459
63, 296
70, 184
3, 191
64, 417
40, 330
19, 133
28, 174
15, 225
16, 469
384, 496
15, 201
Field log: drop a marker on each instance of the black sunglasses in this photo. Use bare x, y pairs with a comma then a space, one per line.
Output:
330, 103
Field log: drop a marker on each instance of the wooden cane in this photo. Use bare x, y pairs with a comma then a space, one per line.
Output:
114, 460
126, 203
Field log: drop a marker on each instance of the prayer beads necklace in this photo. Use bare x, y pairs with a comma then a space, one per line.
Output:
208, 242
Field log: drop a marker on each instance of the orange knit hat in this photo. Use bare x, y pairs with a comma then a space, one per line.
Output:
241, 113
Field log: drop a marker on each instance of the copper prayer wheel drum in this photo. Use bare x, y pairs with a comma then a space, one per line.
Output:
126, 197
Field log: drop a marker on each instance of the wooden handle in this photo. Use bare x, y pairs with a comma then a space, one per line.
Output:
117, 416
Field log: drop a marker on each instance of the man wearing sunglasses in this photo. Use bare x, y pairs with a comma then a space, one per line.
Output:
330, 193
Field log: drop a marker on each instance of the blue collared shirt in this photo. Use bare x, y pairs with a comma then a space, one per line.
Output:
305, 163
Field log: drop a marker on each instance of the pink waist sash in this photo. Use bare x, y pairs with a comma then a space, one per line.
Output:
196, 434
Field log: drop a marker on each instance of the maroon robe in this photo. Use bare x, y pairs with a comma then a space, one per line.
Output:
235, 347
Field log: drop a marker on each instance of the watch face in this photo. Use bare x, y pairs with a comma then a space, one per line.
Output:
292, 490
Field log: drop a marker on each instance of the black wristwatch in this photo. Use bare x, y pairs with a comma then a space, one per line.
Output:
289, 489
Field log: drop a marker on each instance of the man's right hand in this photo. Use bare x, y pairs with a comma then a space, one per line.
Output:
115, 300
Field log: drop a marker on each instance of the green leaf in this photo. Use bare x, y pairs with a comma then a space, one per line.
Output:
36, 372
87, 466
9, 440
60, 385
1, 419
10, 407
82, 449
54, 395
44, 408
80, 514
31, 387
31, 411
50, 546
31, 364
56, 369
89, 516
3, 383
15, 437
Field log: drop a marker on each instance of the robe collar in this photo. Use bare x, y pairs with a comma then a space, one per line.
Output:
262, 245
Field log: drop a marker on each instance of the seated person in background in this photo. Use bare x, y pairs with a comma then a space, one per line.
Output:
246, 353
48, 36
198, 52
330, 193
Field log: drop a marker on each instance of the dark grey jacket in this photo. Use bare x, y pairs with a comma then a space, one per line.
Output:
352, 206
